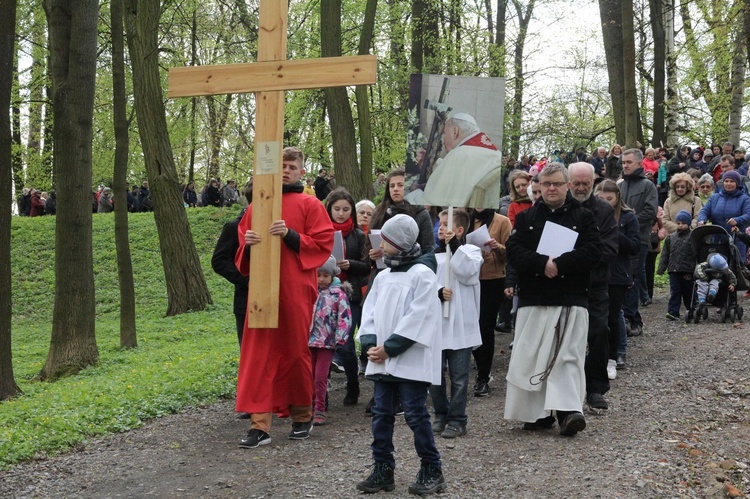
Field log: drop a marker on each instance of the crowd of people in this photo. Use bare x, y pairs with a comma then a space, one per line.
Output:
565, 263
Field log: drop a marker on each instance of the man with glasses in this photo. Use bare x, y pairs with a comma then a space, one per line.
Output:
546, 380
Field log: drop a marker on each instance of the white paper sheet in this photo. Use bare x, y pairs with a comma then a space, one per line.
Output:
338, 246
556, 240
479, 238
375, 241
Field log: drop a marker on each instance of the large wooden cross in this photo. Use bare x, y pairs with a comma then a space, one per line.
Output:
268, 79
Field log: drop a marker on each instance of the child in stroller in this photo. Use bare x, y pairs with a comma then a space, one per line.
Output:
710, 275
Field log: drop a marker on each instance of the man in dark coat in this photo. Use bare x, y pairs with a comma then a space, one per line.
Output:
322, 184
582, 186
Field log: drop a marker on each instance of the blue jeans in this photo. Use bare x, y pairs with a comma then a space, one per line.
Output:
453, 411
622, 348
413, 397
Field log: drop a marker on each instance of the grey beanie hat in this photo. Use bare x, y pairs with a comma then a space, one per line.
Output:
400, 232
330, 267
684, 217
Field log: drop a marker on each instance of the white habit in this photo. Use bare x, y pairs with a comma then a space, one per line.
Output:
461, 327
528, 398
406, 304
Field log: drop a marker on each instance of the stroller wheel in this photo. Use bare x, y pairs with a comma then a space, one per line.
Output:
705, 313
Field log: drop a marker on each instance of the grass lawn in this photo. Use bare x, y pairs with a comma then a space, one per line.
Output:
180, 361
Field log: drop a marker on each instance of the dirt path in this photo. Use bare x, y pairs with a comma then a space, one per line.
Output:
678, 426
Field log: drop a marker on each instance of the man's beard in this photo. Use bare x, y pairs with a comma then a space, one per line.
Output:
582, 198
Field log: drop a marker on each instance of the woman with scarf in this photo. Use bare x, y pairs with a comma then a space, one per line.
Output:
492, 286
355, 269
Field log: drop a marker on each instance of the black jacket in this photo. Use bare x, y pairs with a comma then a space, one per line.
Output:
359, 264
629, 245
571, 286
608, 231
222, 262
640, 194
677, 254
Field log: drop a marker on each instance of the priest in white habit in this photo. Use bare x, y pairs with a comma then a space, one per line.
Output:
470, 173
553, 246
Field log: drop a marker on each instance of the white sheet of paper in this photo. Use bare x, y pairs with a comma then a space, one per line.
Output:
375, 241
556, 240
338, 246
479, 238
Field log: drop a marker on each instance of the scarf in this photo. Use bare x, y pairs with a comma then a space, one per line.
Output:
295, 187
345, 227
403, 257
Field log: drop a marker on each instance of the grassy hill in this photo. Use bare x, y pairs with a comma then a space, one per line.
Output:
184, 360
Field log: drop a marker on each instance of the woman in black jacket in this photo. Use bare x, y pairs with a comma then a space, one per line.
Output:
355, 268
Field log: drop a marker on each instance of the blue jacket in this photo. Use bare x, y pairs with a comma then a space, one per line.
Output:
723, 205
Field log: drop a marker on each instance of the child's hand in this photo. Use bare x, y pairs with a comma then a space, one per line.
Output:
376, 254
509, 292
448, 236
447, 293
377, 354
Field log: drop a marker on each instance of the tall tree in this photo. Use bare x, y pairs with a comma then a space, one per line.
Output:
73, 37
670, 58
186, 285
658, 135
8, 386
630, 95
524, 17
610, 12
363, 104
34, 166
128, 337
337, 102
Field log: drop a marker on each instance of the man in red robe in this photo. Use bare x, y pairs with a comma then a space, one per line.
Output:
275, 374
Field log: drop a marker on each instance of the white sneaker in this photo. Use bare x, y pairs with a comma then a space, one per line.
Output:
612, 369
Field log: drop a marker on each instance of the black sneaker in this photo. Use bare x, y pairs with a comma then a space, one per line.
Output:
301, 431
352, 394
596, 401
572, 424
429, 481
454, 430
482, 389
337, 367
255, 438
621, 361
540, 424
381, 478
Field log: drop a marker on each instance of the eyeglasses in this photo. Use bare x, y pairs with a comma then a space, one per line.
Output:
556, 185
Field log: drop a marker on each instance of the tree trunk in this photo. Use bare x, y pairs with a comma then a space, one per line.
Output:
670, 58
497, 37
431, 22
360, 189
739, 65
610, 12
396, 56
658, 136
340, 118
193, 100
217, 125
8, 386
18, 177
518, 76
128, 337
631, 91
34, 171
186, 285
73, 38
49, 125
417, 35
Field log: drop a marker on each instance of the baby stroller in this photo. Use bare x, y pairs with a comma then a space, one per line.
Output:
709, 239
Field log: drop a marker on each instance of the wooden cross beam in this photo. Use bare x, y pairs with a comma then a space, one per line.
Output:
268, 79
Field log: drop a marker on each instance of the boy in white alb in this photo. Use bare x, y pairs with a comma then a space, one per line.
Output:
400, 333
461, 328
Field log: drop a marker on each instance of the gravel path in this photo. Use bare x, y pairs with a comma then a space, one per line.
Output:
678, 426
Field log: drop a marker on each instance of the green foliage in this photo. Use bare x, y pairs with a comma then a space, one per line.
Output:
181, 361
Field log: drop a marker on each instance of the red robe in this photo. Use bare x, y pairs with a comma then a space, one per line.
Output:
275, 366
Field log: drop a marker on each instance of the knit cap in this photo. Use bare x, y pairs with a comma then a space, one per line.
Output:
733, 175
401, 232
330, 267
684, 217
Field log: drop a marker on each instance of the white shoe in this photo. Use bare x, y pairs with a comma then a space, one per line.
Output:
612, 369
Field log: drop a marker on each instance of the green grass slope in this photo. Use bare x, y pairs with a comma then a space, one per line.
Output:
186, 360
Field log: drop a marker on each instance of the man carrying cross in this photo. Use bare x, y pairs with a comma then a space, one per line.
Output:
275, 374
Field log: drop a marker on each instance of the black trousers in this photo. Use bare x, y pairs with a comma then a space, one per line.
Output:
598, 339
489, 305
616, 297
